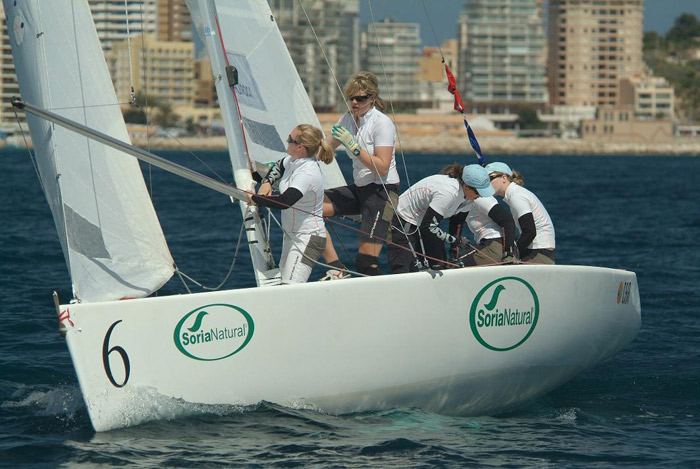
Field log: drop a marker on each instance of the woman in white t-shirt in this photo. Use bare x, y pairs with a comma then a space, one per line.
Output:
536, 241
368, 136
301, 201
415, 226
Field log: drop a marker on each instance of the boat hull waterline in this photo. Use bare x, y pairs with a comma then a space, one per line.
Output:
476, 341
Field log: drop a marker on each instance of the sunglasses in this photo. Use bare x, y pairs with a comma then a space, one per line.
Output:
291, 140
360, 99
495, 176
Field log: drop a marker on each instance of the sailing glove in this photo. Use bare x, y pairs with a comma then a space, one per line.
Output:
342, 134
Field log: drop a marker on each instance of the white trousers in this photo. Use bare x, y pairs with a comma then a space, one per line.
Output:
299, 254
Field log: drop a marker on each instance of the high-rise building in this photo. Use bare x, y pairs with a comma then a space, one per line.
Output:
163, 70
8, 81
116, 19
392, 51
174, 23
323, 39
593, 45
502, 55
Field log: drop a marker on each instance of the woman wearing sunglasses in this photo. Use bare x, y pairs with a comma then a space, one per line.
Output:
301, 201
536, 241
415, 227
368, 136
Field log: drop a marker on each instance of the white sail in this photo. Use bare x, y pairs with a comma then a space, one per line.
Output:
270, 94
110, 235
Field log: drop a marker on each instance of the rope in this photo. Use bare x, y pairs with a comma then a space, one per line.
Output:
128, 45
230, 270
359, 137
315, 261
398, 135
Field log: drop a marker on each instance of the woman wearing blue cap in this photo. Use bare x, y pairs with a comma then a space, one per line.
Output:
415, 226
536, 241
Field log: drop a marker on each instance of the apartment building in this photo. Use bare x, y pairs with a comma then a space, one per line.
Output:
163, 70
502, 55
593, 46
323, 40
649, 97
8, 83
173, 21
392, 51
116, 19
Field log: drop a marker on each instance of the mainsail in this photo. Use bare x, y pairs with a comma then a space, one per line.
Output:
271, 97
110, 235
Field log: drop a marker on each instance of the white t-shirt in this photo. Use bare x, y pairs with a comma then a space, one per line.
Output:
439, 192
521, 201
303, 174
478, 220
376, 130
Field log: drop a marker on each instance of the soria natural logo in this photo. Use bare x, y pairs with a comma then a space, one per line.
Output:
213, 332
504, 313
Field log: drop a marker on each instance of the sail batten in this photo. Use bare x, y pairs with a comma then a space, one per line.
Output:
109, 232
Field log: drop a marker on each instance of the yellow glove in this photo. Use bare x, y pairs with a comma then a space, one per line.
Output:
342, 134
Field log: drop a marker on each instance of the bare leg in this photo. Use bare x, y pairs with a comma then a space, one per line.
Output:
329, 253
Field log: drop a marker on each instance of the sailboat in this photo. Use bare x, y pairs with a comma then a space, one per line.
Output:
471, 341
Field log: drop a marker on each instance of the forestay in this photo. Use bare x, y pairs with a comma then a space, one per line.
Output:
110, 235
270, 94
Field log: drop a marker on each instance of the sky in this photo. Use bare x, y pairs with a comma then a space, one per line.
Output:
658, 15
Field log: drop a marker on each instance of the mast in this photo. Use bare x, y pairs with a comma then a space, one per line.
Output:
205, 17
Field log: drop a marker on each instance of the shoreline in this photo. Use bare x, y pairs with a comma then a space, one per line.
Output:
445, 133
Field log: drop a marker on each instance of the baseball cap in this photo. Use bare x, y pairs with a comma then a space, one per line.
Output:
498, 167
477, 177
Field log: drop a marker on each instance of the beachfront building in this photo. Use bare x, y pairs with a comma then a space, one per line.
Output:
649, 97
162, 70
502, 58
619, 124
116, 19
9, 123
593, 46
173, 21
392, 51
323, 38
432, 81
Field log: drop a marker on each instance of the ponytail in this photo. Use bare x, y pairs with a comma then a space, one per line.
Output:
312, 140
325, 152
454, 171
517, 178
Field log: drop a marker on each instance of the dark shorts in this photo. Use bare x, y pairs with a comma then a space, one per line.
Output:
372, 203
405, 240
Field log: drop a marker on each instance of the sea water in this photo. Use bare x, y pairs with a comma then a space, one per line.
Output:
639, 408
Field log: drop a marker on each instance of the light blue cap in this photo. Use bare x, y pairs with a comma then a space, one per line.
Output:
499, 167
477, 177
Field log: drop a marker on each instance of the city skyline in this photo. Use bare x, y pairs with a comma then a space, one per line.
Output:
659, 15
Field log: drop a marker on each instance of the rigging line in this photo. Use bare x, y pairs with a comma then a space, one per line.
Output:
29, 149
347, 105
342, 243
184, 148
128, 46
356, 230
433, 30
181, 275
323, 51
391, 101
303, 253
230, 270
145, 99
84, 107
398, 134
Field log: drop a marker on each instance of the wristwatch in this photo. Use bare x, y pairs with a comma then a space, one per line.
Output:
356, 152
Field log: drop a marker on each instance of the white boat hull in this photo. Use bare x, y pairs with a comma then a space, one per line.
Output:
463, 342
